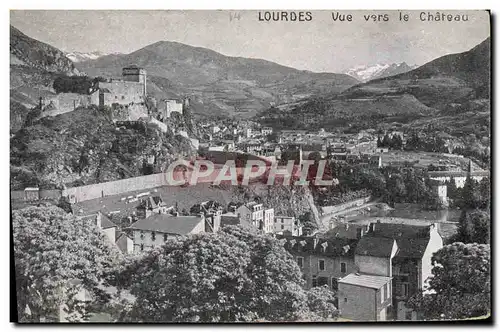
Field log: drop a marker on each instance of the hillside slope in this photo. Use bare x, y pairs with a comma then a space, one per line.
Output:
441, 90
33, 53
223, 84
33, 67
85, 147
448, 79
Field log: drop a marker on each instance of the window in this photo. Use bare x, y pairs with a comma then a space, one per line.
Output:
321, 264
165, 237
123, 97
405, 289
142, 246
314, 281
335, 284
382, 294
343, 267
282, 227
153, 236
300, 261
322, 281
142, 235
345, 299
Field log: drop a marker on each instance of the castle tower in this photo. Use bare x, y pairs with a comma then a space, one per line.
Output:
135, 74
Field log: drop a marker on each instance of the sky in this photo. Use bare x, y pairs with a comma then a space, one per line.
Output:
319, 45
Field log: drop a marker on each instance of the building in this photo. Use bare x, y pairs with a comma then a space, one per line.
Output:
256, 215
283, 224
364, 297
458, 176
168, 106
151, 205
322, 261
266, 131
375, 268
125, 243
212, 212
131, 89
441, 189
107, 227
156, 229
31, 194
411, 263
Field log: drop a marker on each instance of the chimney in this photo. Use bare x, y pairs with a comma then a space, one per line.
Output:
316, 240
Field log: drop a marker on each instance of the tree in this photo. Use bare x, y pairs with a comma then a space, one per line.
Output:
386, 141
452, 189
471, 197
474, 227
396, 188
485, 193
235, 275
57, 255
460, 283
308, 222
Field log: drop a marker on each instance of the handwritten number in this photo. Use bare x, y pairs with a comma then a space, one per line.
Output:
234, 16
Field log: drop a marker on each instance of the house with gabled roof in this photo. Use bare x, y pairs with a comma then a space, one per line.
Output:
322, 261
386, 263
156, 229
400, 252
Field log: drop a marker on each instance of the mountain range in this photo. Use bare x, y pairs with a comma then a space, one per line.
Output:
366, 73
450, 92
218, 84
85, 56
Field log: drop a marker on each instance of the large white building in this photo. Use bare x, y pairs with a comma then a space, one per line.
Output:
156, 229
255, 214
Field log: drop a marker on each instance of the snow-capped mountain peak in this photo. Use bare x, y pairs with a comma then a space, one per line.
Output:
84, 56
366, 73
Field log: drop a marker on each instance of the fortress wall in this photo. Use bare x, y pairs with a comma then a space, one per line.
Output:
92, 191
122, 92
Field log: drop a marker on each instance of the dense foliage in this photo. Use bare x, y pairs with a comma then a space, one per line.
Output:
235, 275
393, 185
56, 257
85, 147
76, 84
461, 283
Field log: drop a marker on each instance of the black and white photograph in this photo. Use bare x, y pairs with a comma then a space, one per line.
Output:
250, 166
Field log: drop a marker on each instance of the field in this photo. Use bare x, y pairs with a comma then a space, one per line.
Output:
424, 159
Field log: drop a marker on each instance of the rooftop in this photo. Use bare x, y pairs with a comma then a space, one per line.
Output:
166, 223
375, 246
365, 280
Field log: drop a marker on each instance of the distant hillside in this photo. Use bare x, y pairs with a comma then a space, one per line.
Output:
453, 78
33, 67
30, 52
441, 91
223, 84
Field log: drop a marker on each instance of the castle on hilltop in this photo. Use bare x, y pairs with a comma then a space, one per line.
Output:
131, 89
